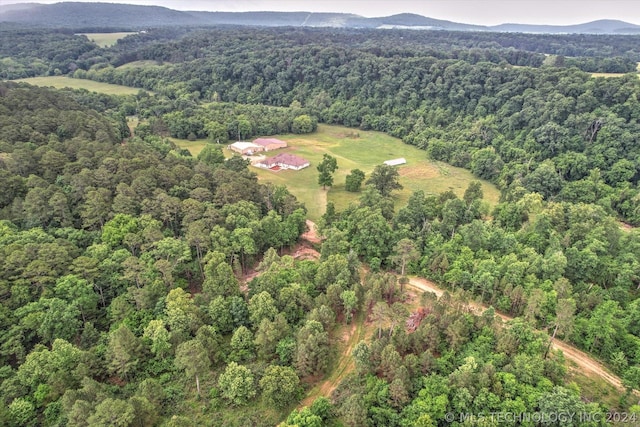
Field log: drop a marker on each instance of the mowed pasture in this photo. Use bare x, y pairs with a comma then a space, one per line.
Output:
140, 64
62, 82
608, 75
105, 39
356, 149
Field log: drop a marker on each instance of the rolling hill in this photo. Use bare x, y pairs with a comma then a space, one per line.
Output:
109, 15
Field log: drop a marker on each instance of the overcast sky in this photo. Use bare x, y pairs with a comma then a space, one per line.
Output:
482, 12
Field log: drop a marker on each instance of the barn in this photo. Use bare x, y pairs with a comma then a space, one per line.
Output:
245, 148
270, 143
396, 162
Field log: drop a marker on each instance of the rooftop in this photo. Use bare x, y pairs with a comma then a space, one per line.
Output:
242, 145
269, 141
287, 159
395, 162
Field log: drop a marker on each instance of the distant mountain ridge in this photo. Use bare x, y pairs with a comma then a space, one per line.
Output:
106, 15
603, 26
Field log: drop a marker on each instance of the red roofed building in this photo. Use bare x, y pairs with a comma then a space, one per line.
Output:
270, 143
284, 161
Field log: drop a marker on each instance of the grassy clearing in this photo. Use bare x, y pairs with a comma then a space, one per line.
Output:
194, 147
355, 149
608, 75
105, 39
132, 123
595, 389
61, 82
140, 64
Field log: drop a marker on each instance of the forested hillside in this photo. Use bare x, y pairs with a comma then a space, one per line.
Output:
108, 263
127, 17
142, 286
470, 107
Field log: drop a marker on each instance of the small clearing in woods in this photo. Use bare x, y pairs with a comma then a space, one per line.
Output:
357, 331
304, 249
311, 235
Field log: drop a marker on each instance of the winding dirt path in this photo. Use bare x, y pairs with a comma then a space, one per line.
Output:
358, 331
344, 364
585, 363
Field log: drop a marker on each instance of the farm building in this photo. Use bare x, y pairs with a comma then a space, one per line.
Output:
270, 143
245, 148
395, 162
284, 161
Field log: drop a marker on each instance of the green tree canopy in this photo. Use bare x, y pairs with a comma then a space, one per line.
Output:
385, 179
326, 168
237, 384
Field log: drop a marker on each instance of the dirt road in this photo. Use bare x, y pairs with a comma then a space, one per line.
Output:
584, 362
351, 335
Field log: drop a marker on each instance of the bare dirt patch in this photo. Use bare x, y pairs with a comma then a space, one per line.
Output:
626, 227
311, 235
303, 250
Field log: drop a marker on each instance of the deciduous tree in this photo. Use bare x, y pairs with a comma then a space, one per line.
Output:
237, 384
385, 179
354, 180
326, 168
280, 385
191, 356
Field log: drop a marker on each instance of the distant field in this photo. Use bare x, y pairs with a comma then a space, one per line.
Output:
61, 82
105, 39
139, 64
194, 147
607, 75
364, 152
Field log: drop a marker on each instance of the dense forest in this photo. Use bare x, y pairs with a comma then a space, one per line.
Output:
511, 116
142, 286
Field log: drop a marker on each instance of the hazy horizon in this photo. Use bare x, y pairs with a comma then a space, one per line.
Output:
479, 12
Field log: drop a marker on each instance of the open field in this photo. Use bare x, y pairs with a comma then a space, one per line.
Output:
140, 64
194, 147
105, 39
356, 149
607, 75
61, 82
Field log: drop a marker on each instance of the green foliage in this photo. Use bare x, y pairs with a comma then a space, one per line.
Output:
349, 302
120, 258
312, 349
211, 155
562, 401
123, 352
303, 418
191, 356
326, 168
237, 384
113, 412
303, 124
242, 345
262, 306
280, 385
354, 180
385, 179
